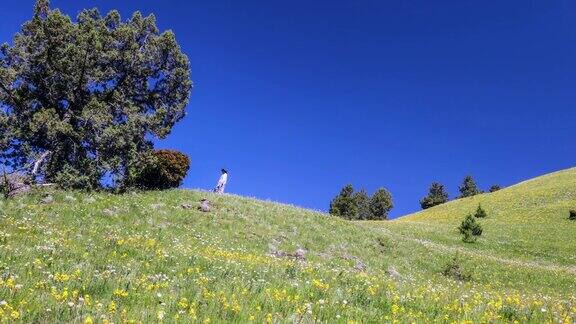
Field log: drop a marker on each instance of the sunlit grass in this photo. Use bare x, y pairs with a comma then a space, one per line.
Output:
141, 257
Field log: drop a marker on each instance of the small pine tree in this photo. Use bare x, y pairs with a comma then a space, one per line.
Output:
362, 202
455, 270
572, 215
494, 188
436, 196
381, 204
468, 187
480, 212
343, 205
470, 229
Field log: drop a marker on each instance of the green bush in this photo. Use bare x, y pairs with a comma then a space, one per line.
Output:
494, 188
162, 169
4, 186
454, 270
470, 229
572, 215
71, 178
480, 212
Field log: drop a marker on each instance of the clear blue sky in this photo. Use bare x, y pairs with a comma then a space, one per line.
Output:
298, 98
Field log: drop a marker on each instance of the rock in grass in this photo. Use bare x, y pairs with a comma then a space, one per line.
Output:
360, 266
300, 254
186, 206
48, 199
393, 273
110, 211
15, 184
204, 205
157, 206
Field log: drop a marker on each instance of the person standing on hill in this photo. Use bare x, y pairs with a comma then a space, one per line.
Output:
221, 182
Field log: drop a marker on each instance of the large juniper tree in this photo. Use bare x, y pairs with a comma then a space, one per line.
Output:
87, 96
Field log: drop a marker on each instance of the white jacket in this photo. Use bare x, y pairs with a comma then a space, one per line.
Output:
223, 180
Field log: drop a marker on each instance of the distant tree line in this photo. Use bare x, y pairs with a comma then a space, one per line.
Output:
437, 194
360, 206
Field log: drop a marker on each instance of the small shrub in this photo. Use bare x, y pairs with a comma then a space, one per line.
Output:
510, 313
494, 188
162, 169
470, 229
480, 212
454, 270
572, 215
71, 178
4, 185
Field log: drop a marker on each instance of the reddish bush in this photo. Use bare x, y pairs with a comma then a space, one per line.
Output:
163, 169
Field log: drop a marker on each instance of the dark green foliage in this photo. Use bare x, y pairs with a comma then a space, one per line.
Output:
480, 212
468, 188
362, 202
494, 188
572, 215
344, 204
163, 169
381, 204
510, 313
455, 270
92, 93
71, 178
4, 184
436, 196
359, 206
470, 229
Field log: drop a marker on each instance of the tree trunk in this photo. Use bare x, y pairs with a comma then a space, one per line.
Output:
39, 162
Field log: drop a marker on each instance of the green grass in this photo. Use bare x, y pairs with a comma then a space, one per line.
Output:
142, 257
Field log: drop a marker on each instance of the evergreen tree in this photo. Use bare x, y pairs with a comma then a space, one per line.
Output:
480, 212
470, 229
381, 203
436, 196
468, 187
344, 204
362, 202
84, 98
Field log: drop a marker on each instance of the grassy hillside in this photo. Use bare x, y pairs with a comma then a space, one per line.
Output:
101, 257
527, 222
